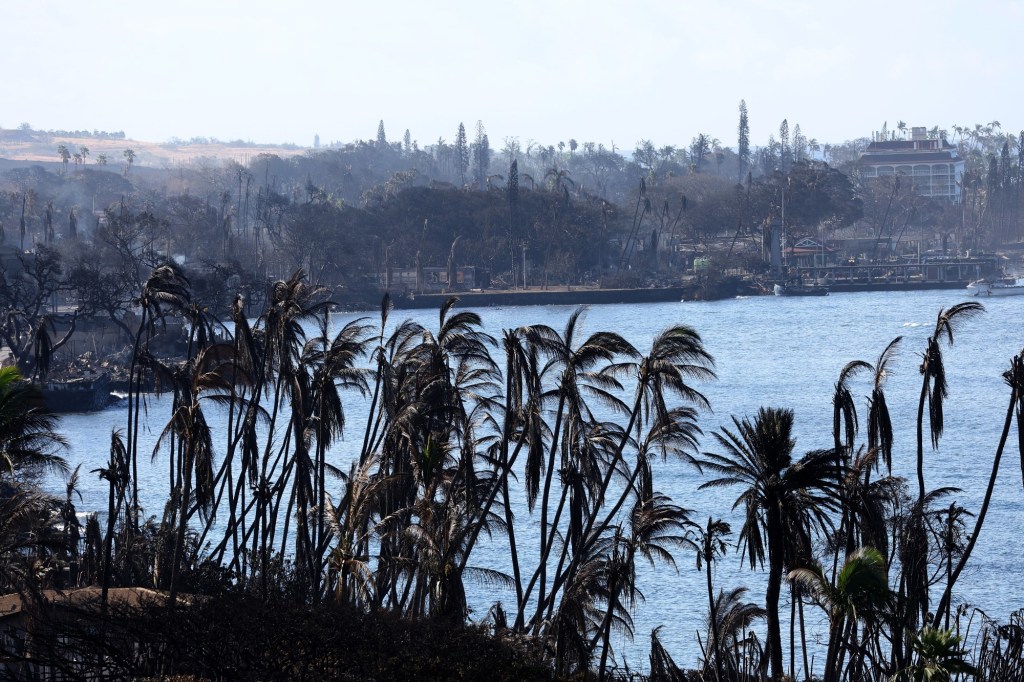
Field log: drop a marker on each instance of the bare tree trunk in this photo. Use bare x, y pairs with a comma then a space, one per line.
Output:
944, 603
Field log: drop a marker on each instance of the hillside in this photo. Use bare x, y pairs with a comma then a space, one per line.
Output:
41, 146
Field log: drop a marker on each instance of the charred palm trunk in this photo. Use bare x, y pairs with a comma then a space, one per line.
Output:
591, 532
183, 514
1015, 376
803, 639
540, 574
833, 659
512, 416
614, 588
792, 631
134, 389
716, 649
108, 542
319, 543
775, 566
925, 395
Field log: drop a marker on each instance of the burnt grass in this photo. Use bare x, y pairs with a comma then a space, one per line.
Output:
242, 637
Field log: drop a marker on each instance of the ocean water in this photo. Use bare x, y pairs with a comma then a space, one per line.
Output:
769, 351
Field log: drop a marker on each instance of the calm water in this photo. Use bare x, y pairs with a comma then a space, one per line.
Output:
784, 352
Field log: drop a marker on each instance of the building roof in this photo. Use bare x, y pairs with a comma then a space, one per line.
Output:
909, 151
808, 246
893, 145
807, 251
925, 156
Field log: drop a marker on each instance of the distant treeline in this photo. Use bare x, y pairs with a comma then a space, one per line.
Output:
94, 134
570, 213
179, 142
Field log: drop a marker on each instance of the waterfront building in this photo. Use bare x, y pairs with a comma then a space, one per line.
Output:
933, 165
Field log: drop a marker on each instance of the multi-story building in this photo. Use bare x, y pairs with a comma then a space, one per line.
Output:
931, 164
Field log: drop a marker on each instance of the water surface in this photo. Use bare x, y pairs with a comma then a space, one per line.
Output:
769, 351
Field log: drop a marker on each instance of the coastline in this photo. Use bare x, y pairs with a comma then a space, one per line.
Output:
551, 296
592, 296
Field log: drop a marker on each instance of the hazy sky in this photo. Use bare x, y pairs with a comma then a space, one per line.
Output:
610, 72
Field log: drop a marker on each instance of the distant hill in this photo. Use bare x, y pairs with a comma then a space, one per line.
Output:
41, 146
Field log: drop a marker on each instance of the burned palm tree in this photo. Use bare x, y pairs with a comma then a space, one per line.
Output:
844, 412
677, 357
117, 473
859, 593
783, 500
844, 433
872, 503
880, 434
267, 376
1014, 378
880, 439
464, 387
245, 375
331, 364
166, 291
934, 388
643, 207
189, 442
711, 545
914, 550
577, 375
432, 385
294, 302
741, 651
351, 524
663, 668
999, 651
519, 425
656, 528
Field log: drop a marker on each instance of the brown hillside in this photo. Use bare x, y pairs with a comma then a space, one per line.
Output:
38, 146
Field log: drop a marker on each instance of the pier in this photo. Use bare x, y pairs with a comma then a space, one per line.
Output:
928, 273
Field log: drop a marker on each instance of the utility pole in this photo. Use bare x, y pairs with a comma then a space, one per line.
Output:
524, 267
785, 261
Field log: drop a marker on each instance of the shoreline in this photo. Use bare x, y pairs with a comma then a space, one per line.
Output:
589, 296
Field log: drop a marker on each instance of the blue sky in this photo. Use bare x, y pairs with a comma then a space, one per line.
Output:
609, 72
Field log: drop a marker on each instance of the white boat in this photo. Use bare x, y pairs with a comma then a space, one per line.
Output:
1007, 286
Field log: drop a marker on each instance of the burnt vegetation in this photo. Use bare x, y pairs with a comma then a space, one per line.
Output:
274, 557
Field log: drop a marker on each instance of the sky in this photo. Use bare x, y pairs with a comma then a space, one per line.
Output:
545, 71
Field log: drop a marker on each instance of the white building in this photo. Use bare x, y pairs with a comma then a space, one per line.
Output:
932, 165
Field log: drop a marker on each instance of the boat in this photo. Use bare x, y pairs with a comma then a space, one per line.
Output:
1007, 286
800, 290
